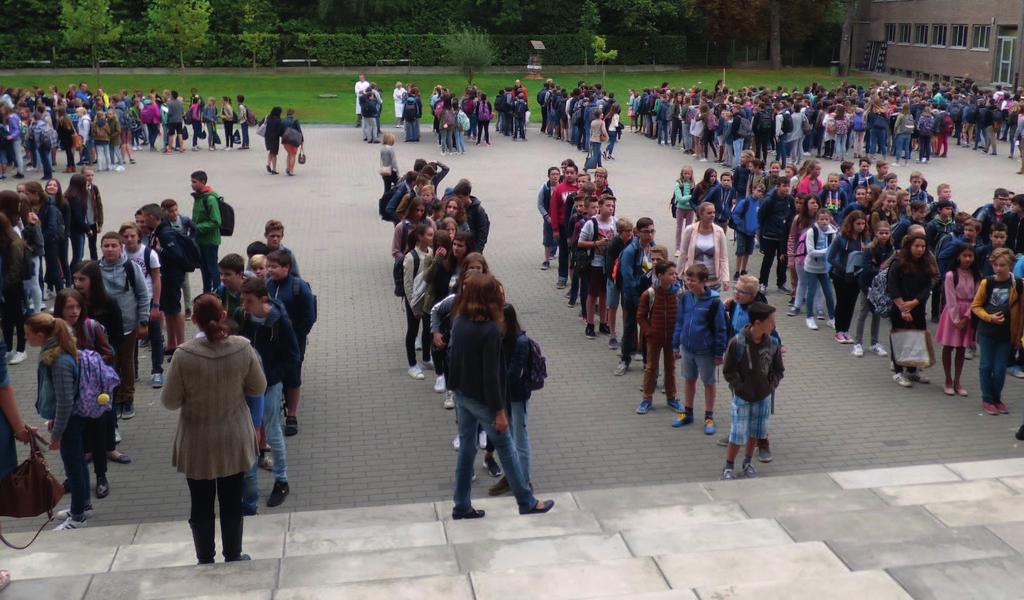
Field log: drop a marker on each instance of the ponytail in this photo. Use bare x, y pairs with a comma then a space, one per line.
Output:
51, 326
208, 314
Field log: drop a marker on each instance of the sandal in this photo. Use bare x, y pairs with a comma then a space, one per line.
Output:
469, 514
291, 426
541, 507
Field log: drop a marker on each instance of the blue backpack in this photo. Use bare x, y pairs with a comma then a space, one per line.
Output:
95, 378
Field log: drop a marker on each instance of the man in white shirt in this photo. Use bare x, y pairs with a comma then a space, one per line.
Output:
361, 87
149, 262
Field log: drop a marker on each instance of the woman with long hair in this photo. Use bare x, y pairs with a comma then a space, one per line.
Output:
228, 118
421, 240
477, 377
65, 136
55, 194
484, 114
515, 354
806, 208
683, 196
846, 251
12, 252
77, 197
209, 380
911, 278
704, 242
272, 138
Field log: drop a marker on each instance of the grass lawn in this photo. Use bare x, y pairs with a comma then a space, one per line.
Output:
302, 91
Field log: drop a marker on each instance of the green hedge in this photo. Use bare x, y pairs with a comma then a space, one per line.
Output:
333, 49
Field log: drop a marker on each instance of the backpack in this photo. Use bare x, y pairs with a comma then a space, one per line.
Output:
878, 295
227, 217
484, 113
297, 291
712, 121
944, 240
765, 122
448, 118
95, 379
499, 102
807, 125
536, 367
746, 127
858, 122
250, 117
787, 122
409, 112
925, 127
463, 121
741, 345
189, 250
398, 272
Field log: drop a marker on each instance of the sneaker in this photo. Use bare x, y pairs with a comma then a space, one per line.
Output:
838, 338
66, 513
604, 329
727, 474
157, 380
449, 400
481, 439
709, 427
785, 289
989, 408
571, 304
969, 354
1020, 433
127, 410
415, 372
455, 443
117, 434
793, 311
560, 285
589, 333
613, 343
676, 405
70, 523
266, 461
858, 350
643, 407
812, 324
1003, 409
846, 338
723, 441
749, 471
493, 469
621, 368
439, 384
429, 365
544, 266
764, 455
637, 357
682, 420
18, 357
1017, 372
831, 323
918, 377
902, 380
879, 350
278, 494
418, 344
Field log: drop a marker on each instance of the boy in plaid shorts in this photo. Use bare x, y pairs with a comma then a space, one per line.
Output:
753, 368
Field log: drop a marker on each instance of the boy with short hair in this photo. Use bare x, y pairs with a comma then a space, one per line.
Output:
699, 340
273, 232
298, 300
753, 368
148, 261
744, 216
125, 283
624, 228
595, 236
183, 224
232, 276
656, 315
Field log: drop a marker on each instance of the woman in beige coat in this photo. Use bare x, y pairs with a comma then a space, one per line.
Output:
704, 242
209, 380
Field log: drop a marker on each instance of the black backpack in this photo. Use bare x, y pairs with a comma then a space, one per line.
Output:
787, 122
227, 217
398, 272
189, 250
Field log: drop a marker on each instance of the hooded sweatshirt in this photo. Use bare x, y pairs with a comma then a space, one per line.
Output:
132, 299
700, 324
206, 217
274, 339
752, 369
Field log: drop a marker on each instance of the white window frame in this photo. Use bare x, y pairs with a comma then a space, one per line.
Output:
966, 29
918, 28
905, 28
936, 27
890, 33
988, 37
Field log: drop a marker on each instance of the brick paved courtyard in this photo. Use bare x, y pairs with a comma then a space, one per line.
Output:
371, 435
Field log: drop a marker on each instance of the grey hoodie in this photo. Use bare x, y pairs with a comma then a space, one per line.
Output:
133, 300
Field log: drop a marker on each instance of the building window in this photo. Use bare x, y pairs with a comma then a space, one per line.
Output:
890, 33
958, 39
921, 34
904, 33
938, 35
979, 37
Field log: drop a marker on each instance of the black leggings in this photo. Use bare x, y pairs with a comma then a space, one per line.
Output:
13, 315
483, 128
97, 436
846, 299
229, 134
54, 276
771, 249
412, 324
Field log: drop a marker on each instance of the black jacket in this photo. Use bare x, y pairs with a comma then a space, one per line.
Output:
774, 216
274, 340
172, 255
479, 223
475, 365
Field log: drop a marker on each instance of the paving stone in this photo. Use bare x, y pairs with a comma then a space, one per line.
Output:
988, 579
266, 528
989, 469
300, 571
180, 554
505, 506
667, 595
444, 587
793, 485
706, 537
909, 495
54, 588
498, 555
522, 526
979, 512
883, 525
247, 595
184, 582
1016, 483
360, 539
781, 506
1011, 533
362, 517
875, 585
24, 565
869, 478
626, 576
749, 565
660, 517
642, 497
949, 545
77, 540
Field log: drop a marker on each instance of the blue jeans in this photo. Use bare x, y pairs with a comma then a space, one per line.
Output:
44, 160
995, 354
520, 437
208, 266
737, 150
662, 131
813, 281
245, 134
470, 414
275, 439
72, 453
879, 141
459, 145
412, 130
78, 249
902, 146
594, 160
612, 138
782, 151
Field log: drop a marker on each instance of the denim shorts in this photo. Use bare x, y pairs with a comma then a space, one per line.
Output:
744, 244
699, 364
749, 420
611, 295
549, 236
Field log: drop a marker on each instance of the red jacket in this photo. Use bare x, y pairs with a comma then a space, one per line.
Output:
658, 322
557, 209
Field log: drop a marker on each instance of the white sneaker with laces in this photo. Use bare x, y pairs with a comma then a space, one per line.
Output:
481, 440
439, 384
455, 442
70, 523
831, 323
902, 380
415, 372
858, 350
418, 344
449, 400
66, 513
879, 350
812, 324
18, 357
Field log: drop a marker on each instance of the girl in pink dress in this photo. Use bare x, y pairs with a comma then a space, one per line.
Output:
956, 331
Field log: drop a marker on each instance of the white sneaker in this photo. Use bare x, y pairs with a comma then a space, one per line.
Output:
812, 324
66, 513
449, 400
902, 380
427, 365
969, 353
879, 350
831, 323
70, 523
858, 350
415, 372
481, 440
418, 344
18, 357
439, 384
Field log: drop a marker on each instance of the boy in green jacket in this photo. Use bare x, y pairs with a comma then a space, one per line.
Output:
207, 220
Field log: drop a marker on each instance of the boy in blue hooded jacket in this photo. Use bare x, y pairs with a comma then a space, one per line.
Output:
699, 340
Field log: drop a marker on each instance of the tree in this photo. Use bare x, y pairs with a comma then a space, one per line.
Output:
88, 24
775, 37
182, 24
258, 21
603, 56
470, 50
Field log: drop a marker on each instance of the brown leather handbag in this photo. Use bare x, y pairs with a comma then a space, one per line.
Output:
30, 490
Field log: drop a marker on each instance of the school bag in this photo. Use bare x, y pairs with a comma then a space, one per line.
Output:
746, 127
925, 126
765, 122
536, 366
807, 125
250, 117
297, 291
398, 272
96, 378
858, 122
227, 217
484, 114
712, 121
463, 121
741, 344
409, 111
878, 294
787, 122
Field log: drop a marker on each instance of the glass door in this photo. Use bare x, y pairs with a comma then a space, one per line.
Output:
1004, 59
